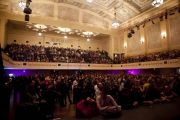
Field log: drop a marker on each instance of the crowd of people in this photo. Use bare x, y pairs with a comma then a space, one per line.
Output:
33, 53
165, 55
122, 90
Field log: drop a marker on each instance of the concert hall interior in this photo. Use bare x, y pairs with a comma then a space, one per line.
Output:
89, 59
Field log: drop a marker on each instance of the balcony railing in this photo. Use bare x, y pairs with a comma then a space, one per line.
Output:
10, 64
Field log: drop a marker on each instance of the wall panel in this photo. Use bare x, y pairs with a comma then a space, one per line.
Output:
134, 45
153, 37
174, 29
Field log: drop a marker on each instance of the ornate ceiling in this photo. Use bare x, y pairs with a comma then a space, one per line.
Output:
99, 12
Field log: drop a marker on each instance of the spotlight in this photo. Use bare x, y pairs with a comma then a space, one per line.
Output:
26, 18
11, 75
137, 26
152, 22
161, 18
166, 15
27, 10
129, 35
132, 31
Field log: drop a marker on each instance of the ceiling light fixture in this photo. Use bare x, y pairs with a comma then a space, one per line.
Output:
22, 4
89, 1
87, 33
157, 3
63, 31
115, 22
40, 28
88, 39
65, 37
39, 34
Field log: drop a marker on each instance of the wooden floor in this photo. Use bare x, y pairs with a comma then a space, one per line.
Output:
162, 111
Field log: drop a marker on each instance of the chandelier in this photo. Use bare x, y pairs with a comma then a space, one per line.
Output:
157, 3
90, 1
22, 4
115, 22
88, 35
40, 28
63, 30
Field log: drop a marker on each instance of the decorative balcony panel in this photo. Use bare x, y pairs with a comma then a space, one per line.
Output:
10, 64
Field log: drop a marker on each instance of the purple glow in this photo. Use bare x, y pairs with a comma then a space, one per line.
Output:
11, 75
115, 72
16, 72
134, 71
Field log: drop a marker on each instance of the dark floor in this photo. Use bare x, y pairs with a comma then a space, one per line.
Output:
162, 111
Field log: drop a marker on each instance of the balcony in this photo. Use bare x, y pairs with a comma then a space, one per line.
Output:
10, 64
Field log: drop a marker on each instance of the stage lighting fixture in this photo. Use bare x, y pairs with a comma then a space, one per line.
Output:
129, 35
27, 10
152, 22
137, 26
161, 18
26, 18
132, 31
166, 15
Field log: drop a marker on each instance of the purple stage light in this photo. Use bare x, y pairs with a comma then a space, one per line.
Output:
11, 75
134, 71
16, 72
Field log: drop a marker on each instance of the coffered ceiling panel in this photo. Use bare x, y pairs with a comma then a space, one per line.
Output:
38, 9
73, 10
91, 19
68, 13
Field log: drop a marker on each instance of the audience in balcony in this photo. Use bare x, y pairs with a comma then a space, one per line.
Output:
33, 53
165, 55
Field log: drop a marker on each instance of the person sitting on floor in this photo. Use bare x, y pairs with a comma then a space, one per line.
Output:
106, 104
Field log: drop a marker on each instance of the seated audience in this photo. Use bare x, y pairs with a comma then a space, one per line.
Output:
20, 52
